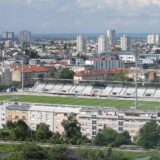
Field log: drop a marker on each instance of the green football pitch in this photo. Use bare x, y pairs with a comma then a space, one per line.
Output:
121, 104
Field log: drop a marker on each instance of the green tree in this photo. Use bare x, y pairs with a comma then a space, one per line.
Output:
66, 74
149, 135
72, 130
42, 132
99, 140
27, 151
110, 137
120, 77
58, 153
56, 138
20, 131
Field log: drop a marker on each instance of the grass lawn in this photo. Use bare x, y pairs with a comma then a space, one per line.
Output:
123, 104
7, 147
135, 155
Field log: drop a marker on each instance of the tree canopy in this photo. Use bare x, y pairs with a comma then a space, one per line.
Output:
72, 130
149, 135
42, 132
66, 74
110, 137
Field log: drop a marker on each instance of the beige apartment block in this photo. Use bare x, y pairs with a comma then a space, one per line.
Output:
15, 112
93, 120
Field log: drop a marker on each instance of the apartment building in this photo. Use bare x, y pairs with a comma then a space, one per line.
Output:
30, 72
104, 63
36, 114
5, 75
91, 119
15, 112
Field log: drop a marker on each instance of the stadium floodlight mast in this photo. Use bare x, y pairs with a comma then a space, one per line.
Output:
22, 74
136, 79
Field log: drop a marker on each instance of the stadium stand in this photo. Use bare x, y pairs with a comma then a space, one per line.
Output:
157, 93
57, 89
123, 91
39, 87
129, 92
116, 90
87, 91
141, 92
66, 88
150, 92
48, 87
107, 91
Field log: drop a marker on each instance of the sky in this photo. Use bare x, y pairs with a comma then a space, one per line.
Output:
80, 16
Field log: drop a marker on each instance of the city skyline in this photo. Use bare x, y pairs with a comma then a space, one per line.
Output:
96, 16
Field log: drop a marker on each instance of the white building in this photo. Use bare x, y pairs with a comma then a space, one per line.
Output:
101, 44
8, 35
153, 39
25, 36
111, 37
9, 44
127, 58
81, 44
5, 76
50, 115
93, 120
125, 43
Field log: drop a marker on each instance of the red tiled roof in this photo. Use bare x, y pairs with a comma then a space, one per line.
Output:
29, 68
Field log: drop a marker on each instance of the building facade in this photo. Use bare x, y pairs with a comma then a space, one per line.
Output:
5, 76
8, 35
101, 44
81, 44
111, 37
125, 43
25, 37
91, 119
153, 39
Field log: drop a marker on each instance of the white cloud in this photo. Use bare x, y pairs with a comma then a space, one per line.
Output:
31, 3
117, 4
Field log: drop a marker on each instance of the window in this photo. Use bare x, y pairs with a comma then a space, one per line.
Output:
120, 123
65, 114
94, 127
120, 129
16, 117
94, 122
94, 116
120, 117
94, 133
